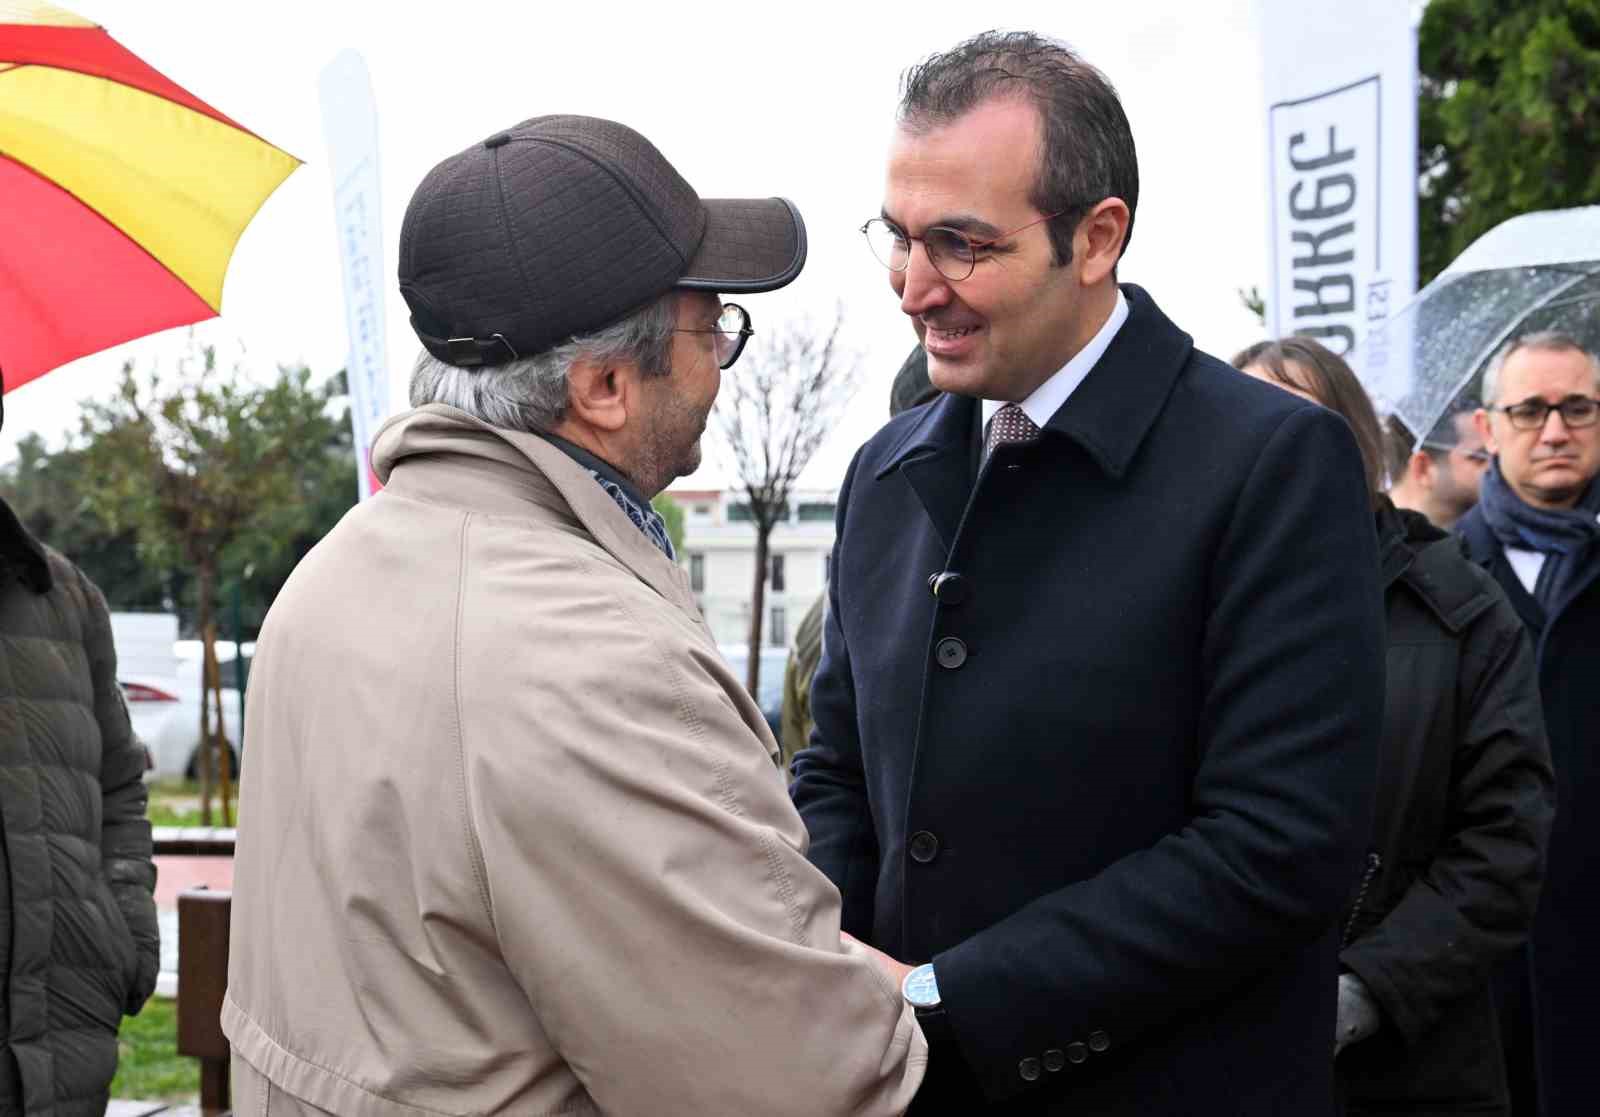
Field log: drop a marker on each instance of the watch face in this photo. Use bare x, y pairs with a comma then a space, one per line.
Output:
920, 987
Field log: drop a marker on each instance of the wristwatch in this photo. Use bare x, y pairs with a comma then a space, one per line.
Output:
921, 988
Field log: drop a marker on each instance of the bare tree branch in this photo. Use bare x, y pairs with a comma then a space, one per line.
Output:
776, 410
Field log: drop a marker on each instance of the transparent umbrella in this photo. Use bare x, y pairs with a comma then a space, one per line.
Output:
1539, 271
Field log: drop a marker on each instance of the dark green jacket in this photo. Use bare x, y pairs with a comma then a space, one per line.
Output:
796, 723
79, 945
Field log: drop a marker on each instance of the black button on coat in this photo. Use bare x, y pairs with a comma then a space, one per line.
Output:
1465, 799
1152, 778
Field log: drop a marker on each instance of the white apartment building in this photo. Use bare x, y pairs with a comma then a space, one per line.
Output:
719, 550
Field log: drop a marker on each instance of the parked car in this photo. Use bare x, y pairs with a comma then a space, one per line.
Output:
769, 687
165, 711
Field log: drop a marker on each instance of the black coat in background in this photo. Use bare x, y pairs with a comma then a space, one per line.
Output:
1558, 980
1118, 784
1465, 798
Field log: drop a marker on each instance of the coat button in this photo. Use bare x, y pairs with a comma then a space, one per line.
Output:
924, 847
1029, 1069
950, 652
1077, 1052
1099, 1043
1054, 1060
950, 588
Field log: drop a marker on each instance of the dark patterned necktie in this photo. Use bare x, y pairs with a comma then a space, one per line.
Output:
1010, 424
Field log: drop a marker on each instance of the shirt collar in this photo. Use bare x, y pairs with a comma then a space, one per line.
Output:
1048, 397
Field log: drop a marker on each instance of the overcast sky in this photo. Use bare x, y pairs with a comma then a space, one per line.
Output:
746, 99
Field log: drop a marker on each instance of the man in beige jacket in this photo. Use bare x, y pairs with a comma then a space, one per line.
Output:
512, 840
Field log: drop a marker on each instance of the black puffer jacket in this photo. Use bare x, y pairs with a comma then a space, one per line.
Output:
78, 939
1465, 802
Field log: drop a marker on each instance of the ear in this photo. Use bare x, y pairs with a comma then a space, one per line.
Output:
1420, 468
1480, 422
600, 394
1097, 242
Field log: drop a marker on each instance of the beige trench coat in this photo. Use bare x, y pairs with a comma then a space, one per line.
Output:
512, 839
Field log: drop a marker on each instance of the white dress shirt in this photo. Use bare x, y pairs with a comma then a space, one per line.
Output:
1048, 397
1527, 565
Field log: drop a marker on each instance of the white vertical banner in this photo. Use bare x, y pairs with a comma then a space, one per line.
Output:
1341, 104
350, 123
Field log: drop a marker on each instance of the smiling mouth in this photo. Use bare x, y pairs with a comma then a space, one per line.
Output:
953, 333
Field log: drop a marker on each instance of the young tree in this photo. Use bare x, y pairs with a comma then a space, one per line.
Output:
194, 468
775, 410
1508, 116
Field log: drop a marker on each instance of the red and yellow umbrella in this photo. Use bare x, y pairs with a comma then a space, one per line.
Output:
122, 195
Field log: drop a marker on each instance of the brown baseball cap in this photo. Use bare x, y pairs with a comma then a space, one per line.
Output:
566, 224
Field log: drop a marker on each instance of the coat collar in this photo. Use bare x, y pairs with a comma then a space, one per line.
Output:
1108, 415
1439, 577
21, 552
504, 472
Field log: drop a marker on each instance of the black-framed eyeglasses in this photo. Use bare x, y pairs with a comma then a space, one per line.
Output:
952, 253
732, 331
1532, 414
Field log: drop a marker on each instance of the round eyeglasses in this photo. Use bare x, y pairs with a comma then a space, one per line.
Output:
952, 253
730, 333
1532, 414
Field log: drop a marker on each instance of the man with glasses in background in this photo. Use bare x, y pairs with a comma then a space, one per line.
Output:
513, 840
1537, 530
1440, 477
1099, 701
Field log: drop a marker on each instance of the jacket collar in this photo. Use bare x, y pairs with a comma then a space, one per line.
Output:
1408, 553
1108, 415
483, 468
21, 553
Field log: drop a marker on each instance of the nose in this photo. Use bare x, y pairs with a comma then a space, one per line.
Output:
1555, 429
921, 288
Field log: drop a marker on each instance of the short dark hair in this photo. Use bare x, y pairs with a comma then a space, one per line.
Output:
1398, 446
1331, 383
1087, 152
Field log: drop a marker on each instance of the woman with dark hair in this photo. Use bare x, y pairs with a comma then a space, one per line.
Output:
1465, 800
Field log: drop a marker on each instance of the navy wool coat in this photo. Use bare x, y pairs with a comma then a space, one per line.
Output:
1116, 778
1550, 1008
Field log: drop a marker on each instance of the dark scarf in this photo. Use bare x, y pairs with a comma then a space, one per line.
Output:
1569, 538
621, 490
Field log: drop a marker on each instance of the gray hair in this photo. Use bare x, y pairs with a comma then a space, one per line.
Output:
530, 393
1554, 341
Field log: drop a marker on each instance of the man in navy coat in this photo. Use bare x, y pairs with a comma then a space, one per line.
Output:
1097, 720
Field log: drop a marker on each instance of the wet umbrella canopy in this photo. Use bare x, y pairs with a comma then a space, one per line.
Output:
1539, 271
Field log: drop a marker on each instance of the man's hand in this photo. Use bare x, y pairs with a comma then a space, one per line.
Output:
1358, 1013
896, 970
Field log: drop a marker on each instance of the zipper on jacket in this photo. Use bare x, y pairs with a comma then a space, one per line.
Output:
1374, 863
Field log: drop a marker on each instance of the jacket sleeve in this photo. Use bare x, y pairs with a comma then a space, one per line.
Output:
830, 788
125, 847
647, 882
1291, 651
1474, 902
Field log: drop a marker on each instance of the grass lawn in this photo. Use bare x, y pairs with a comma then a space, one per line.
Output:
148, 1063
177, 803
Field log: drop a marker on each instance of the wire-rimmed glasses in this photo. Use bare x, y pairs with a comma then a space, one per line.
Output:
732, 331
952, 253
